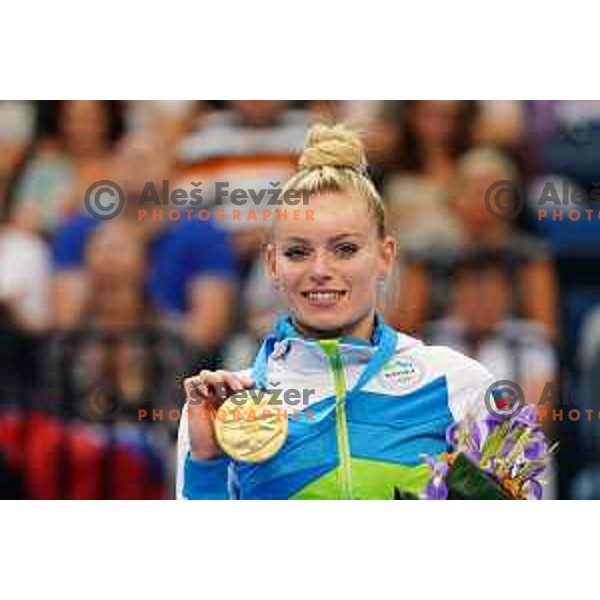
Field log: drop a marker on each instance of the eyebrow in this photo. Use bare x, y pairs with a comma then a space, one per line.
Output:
335, 238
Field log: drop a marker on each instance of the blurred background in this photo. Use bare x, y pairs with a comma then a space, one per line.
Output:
102, 319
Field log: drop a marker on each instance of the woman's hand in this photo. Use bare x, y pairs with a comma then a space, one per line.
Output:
205, 392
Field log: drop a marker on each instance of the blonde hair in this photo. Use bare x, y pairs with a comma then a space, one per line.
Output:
333, 160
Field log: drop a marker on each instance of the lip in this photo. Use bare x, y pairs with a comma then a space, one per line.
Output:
324, 298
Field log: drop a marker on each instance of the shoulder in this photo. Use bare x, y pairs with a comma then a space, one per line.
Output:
467, 380
195, 233
70, 239
201, 243
442, 360
80, 226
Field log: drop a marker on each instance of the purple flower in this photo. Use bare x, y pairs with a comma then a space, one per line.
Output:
533, 488
535, 450
436, 489
439, 468
492, 423
452, 435
537, 471
507, 447
531, 469
528, 416
474, 455
475, 437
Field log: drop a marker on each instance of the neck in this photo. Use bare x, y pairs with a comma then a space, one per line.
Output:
362, 329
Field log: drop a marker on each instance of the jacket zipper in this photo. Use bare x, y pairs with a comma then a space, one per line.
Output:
332, 350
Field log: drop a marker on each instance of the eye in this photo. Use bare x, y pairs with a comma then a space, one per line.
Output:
346, 249
296, 253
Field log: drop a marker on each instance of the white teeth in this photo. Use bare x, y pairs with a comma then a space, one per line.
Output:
324, 296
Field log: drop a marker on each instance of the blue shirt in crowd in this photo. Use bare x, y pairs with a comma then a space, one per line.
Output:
180, 252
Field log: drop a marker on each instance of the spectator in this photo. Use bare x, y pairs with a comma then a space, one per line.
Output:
119, 361
65, 161
480, 322
432, 136
501, 123
191, 276
425, 278
16, 132
170, 119
24, 306
24, 321
251, 145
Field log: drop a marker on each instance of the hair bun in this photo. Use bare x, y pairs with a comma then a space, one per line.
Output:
335, 146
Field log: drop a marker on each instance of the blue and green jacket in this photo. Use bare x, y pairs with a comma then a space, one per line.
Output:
376, 407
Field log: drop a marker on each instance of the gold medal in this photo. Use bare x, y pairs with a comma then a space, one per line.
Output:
248, 429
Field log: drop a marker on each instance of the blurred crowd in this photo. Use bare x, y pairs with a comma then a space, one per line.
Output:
100, 320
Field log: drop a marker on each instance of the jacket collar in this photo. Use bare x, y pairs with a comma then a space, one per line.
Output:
383, 342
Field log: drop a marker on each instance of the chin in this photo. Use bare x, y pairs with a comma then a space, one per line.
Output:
324, 323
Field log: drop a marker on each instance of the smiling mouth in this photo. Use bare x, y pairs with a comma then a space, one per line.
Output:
324, 297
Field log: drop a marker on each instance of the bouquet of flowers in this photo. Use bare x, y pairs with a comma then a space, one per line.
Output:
497, 459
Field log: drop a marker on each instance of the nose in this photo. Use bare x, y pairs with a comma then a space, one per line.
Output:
320, 268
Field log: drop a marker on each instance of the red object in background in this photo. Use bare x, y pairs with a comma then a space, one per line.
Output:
11, 436
136, 470
85, 463
43, 443
75, 460
129, 475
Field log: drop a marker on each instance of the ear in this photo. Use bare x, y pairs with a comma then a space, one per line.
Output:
271, 264
387, 256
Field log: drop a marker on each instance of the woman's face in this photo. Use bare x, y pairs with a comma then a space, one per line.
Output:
116, 254
328, 264
435, 121
481, 299
470, 202
85, 126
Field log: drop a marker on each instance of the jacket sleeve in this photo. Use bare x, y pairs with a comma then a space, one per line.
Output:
468, 381
198, 479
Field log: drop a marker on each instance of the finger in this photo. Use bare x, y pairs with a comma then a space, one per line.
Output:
246, 380
232, 380
215, 386
212, 386
196, 388
198, 378
198, 395
230, 384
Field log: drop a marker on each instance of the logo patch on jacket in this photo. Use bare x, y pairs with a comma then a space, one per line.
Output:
401, 372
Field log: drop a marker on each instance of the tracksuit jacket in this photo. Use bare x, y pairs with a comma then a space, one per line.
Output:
373, 409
